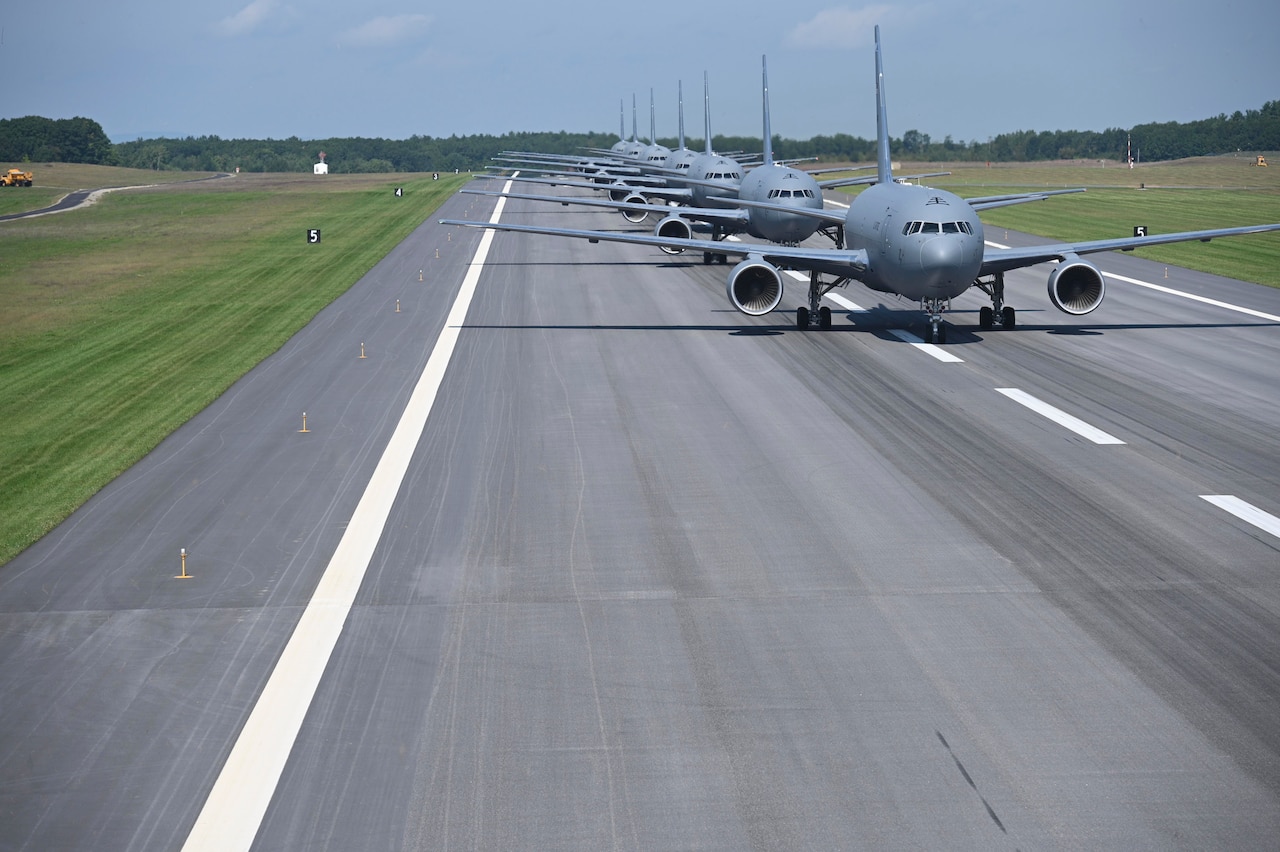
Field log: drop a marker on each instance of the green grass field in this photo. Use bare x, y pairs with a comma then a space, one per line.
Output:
120, 322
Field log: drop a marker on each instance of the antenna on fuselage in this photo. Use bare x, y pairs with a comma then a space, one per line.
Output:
883, 160
768, 134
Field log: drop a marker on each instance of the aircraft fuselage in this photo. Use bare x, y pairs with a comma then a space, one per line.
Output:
921, 242
785, 186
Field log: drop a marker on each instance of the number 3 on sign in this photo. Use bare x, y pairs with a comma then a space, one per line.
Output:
313, 235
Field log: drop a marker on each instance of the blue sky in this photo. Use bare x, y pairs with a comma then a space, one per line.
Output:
280, 68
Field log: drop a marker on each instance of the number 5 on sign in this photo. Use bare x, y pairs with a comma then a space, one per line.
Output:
313, 235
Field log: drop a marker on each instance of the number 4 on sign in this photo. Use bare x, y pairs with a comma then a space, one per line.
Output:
399, 191
313, 235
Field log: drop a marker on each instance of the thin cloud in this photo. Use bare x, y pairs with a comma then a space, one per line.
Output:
839, 27
247, 20
388, 29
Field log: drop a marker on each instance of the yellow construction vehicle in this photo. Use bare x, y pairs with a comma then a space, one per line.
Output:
15, 177
1262, 161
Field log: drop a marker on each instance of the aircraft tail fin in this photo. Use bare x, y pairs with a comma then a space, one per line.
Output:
622, 121
768, 134
680, 104
883, 160
706, 111
653, 122
634, 136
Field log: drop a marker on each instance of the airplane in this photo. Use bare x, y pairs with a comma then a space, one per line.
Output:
771, 201
917, 242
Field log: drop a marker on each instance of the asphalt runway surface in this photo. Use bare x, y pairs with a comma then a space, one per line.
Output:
655, 574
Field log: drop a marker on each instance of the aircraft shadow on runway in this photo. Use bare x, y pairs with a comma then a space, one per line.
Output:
879, 321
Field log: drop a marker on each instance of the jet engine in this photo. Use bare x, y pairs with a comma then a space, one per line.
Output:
754, 286
1076, 286
674, 226
635, 217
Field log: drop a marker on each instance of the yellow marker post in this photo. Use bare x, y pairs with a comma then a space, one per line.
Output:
397, 306
304, 423
420, 272
184, 575
362, 350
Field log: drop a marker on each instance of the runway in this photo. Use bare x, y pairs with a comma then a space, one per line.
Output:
662, 575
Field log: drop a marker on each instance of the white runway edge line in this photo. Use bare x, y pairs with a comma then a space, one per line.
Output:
1246, 512
1172, 292
234, 810
1059, 416
1192, 296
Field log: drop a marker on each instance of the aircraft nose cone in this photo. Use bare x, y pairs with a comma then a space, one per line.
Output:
941, 260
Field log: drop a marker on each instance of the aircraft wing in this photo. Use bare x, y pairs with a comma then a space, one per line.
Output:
848, 263
1004, 259
672, 194
832, 183
989, 201
732, 217
832, 217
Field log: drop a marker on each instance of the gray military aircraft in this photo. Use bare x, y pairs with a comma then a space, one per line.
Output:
917, 242
767, 203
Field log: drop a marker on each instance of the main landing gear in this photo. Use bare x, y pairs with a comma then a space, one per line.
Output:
710, 257
817, 315
999, 312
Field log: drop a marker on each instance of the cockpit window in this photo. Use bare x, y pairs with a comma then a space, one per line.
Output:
936, 228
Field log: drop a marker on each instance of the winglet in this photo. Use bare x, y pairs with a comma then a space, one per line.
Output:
768, 134
883, 159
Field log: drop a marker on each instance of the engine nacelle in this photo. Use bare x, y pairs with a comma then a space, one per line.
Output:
674, 226
754, 286
635, 217
1076, 286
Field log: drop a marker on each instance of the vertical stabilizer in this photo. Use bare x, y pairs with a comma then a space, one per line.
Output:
635, 137
768, 133
622, 121
706, 112
883, 160
653, 122
680, 103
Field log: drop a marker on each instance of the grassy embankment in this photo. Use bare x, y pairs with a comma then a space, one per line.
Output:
120, 322
1187, 195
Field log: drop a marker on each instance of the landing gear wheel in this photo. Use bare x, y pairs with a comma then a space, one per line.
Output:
802, 318
824, 317
708, 258
1009, 318
722, 258
986, 318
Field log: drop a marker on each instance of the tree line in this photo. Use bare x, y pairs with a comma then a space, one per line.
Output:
82, 140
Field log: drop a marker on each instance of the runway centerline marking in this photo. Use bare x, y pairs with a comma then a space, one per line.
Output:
1059, 416
233, 813
1246, 512
927, 348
